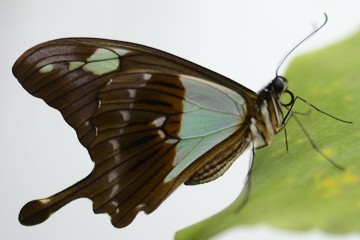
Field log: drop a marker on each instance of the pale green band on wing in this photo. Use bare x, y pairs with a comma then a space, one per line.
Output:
121, 52
75, 64
102, 54
102, 61
211, 114
213, 96
188, 106
46, 69
239, 100
184, 147
202, 122
188, 150
102, 67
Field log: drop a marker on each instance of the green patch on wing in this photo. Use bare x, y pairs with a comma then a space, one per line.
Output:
211, 115
46, 69
300, 190
101, 62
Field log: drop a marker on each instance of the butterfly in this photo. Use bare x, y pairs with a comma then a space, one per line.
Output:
149, 120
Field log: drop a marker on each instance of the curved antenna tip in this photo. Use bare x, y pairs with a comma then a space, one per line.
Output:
326, 17
297, 45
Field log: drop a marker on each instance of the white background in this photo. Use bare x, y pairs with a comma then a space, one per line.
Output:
40, 154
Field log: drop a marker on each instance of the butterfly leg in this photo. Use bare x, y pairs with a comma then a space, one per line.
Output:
288, 114
312, 143
247, 188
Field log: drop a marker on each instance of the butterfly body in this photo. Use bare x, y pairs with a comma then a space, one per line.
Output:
150, 121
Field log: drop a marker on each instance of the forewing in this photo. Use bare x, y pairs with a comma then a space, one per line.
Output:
149, 120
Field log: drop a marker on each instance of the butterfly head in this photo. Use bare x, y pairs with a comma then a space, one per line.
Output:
279, 86
271, 105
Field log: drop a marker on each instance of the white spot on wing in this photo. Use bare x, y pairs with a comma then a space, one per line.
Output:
44, 200
140, 207
159, 121
171, 141
125, 115
161, 134
132, 93
111, 177
147, 76
114, 144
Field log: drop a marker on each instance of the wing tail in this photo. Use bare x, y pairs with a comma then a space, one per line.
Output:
37, 211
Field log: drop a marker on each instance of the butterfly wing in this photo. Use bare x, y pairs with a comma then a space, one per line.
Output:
150, 121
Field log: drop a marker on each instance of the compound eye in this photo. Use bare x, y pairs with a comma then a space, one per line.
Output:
279, 84
291, 101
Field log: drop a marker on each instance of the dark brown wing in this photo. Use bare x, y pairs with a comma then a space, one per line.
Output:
124, 101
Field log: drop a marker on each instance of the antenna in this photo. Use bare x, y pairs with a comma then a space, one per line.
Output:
297, 45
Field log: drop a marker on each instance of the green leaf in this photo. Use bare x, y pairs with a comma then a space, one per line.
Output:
301, 190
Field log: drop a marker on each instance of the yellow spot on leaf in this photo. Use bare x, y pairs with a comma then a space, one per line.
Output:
328, 152
350, 179
329, 182
328, 187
